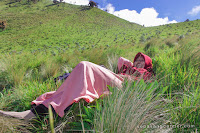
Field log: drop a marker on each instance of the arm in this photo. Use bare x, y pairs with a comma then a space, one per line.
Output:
123, 64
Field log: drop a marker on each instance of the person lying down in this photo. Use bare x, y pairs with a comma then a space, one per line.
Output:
87, 81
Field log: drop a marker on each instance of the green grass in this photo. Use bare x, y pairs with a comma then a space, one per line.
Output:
44, 40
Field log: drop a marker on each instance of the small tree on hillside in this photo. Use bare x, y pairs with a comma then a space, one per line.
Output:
93, 4
187, 20
56, 1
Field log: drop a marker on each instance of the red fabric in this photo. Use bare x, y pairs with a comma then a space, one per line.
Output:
146, 71
148, 61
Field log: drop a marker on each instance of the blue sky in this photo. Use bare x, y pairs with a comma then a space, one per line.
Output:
149, 12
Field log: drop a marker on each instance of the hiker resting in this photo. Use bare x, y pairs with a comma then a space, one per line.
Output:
87, 81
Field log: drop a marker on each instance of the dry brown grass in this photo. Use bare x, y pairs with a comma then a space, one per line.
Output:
12, 125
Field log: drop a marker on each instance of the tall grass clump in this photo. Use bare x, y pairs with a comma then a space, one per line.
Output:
17, 69
24, 94
112, 63
190, 51
178, 69
11, 125
133, 108
185, 109
151, 47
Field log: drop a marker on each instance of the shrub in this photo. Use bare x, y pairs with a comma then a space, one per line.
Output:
181, 37
142, 38
170, 44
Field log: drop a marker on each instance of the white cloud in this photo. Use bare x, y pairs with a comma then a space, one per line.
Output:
194, 10
147, 17
77, 2
110, 9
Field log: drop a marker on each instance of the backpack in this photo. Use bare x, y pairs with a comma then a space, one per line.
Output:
61, 78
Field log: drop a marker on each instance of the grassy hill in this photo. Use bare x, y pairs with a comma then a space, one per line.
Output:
62, 25
44, 40
45, 25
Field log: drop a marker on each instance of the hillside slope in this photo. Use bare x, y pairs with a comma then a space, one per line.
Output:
46, 25
36, 25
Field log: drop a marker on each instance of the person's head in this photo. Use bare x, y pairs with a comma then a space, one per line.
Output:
139, 62
142, 61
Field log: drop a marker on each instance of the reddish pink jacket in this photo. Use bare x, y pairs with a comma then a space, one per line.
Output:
129, 69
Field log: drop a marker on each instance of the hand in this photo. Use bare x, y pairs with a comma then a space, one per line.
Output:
123, 69
137, 73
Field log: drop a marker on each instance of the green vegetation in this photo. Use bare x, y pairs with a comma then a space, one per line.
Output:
44, 40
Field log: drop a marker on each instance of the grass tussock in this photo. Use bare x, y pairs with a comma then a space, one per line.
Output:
10, 125
131, 109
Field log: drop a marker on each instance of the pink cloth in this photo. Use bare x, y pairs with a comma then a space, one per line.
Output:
122, 61
87, 81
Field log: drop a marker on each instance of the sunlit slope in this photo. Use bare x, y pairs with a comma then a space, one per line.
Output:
42, 24
46, 25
